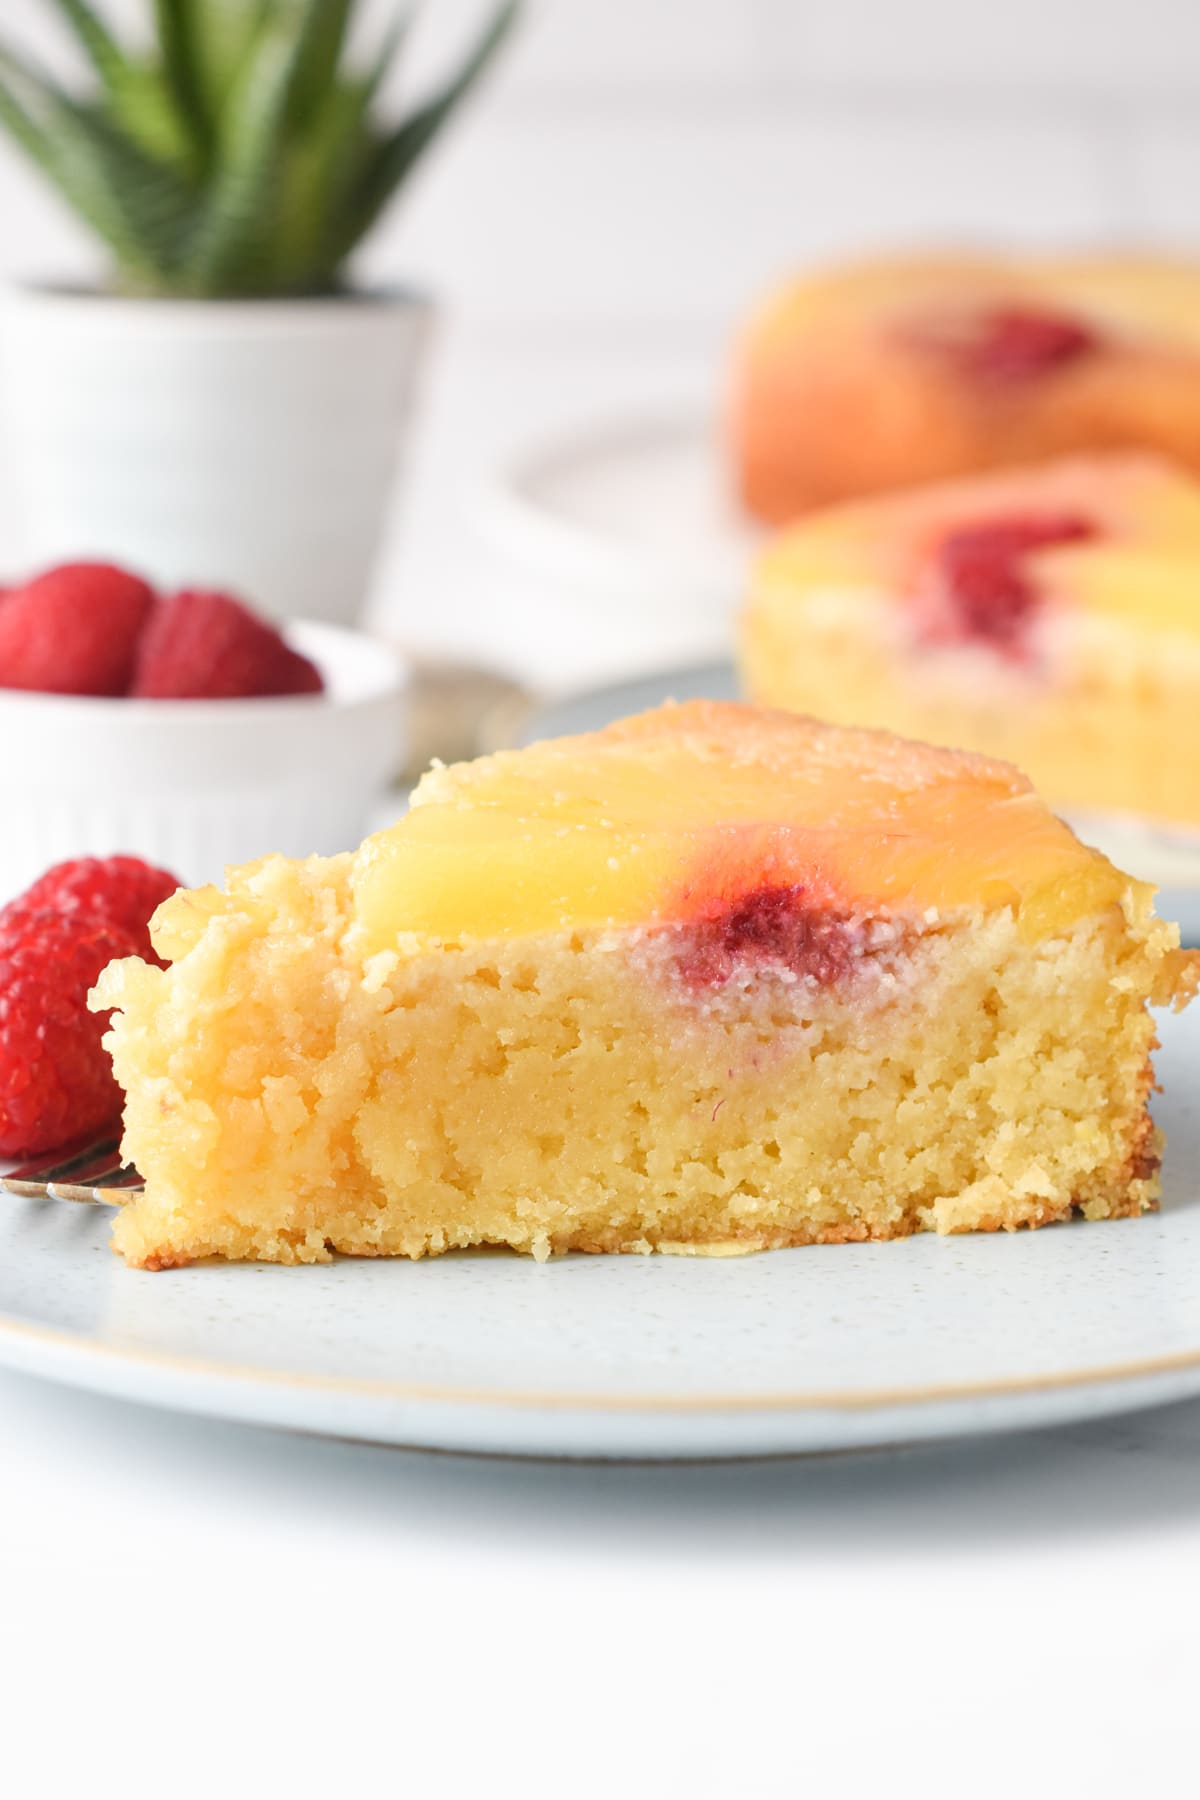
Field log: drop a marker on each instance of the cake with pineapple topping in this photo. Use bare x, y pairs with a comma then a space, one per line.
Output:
911, 369
1050, 616
710, 980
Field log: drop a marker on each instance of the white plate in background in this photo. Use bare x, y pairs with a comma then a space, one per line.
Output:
1170, 858
635, 531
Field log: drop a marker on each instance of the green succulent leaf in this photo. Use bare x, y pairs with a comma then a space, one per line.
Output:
242, 153
322, 35
319, 176
155, 206
134, 204
18, 119
99, 45
177, 23
226, 32
398, 153
233, 244
337, 156
132, 86
140, 106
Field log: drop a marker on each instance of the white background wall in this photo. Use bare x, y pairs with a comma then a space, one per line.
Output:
638, 169
703, 143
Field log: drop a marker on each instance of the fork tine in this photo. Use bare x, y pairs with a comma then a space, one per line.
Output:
99, 1194
63, 1165
90, 1175
42, 1190
125, 1176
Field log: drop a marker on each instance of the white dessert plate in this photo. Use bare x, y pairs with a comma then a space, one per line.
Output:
1169, 858
831, 1348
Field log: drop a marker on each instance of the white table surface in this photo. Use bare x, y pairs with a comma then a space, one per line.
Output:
187, 1603
187, 1607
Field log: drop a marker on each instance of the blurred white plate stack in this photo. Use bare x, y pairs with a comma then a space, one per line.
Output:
634, 552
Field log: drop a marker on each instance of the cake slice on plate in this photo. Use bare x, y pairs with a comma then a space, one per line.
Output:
1048, 615
711, 980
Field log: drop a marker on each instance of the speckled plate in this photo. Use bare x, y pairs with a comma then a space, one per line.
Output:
797, 1350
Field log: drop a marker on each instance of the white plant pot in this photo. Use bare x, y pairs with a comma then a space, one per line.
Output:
247, 445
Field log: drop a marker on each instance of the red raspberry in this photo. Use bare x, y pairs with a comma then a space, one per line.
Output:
1019, 343
980, 586
73, 630
206, 646
117, 890
1003, 347
56, 1082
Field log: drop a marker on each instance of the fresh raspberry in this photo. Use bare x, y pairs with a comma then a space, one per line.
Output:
56, 1081
206, 646
114, 890
980, 588
73, 630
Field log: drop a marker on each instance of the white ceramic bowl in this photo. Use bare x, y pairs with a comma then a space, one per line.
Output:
195, 785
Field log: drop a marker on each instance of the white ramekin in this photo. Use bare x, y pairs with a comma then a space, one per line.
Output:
197, 785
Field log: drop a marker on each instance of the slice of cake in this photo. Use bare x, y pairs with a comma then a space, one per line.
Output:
917, 369
1050, 616
710, 980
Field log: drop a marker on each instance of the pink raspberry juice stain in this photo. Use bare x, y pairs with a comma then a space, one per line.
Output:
977, 587
775, 926
1009, 346
1016, 344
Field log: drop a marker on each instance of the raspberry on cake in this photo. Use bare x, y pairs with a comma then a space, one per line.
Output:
710, 980
916, 369
1048, 615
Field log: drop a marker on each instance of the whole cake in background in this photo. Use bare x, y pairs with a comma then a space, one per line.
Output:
914, 369
711, 980
1049, 615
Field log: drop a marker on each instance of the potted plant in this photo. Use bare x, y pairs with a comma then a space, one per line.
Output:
226, 409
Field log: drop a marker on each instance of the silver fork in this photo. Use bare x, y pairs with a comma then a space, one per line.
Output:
90, 1174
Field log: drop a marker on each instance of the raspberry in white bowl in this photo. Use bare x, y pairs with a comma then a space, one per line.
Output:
183, 728
92, 628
